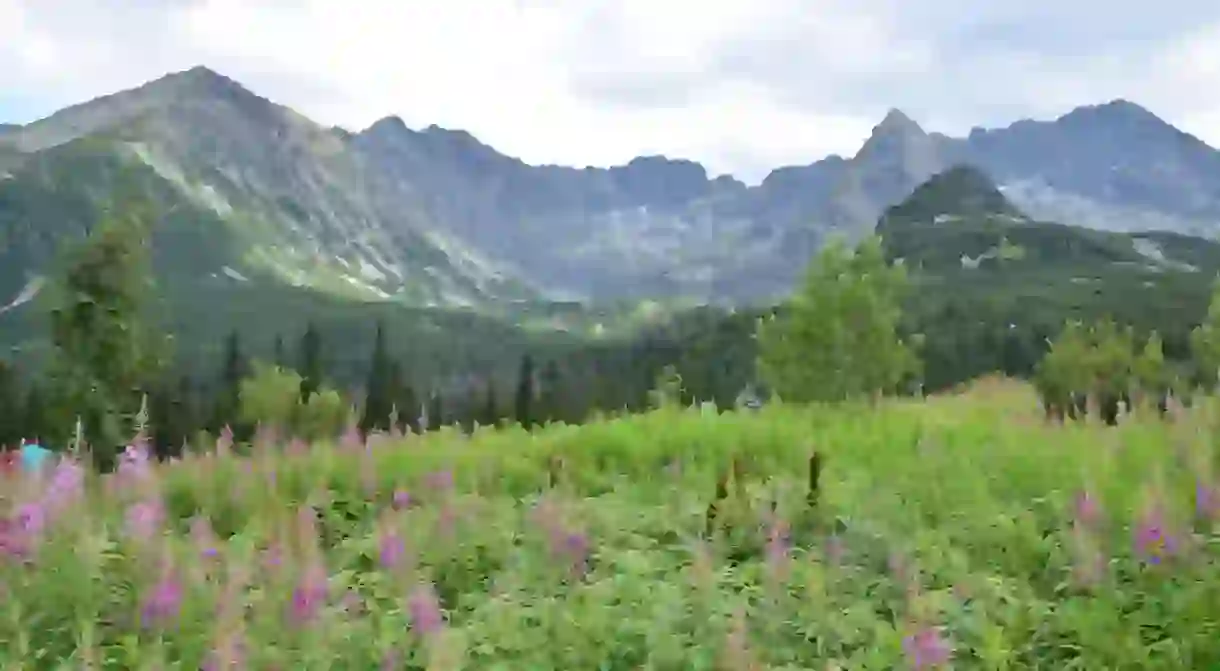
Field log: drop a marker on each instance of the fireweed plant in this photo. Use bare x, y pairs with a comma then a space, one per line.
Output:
958, 533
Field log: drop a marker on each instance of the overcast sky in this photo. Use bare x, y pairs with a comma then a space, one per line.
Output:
741, 86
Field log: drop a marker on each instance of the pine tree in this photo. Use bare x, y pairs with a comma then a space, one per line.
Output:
404, 399
378, 392
278, 352
35, 416
436, 411
310, 366
549, 393
490, 415
10, 406
103, 353
525, 393
227, 411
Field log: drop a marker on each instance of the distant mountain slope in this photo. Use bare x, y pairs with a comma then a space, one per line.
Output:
966, 244
270, 193
436, 217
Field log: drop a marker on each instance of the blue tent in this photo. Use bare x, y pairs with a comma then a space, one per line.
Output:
34, 457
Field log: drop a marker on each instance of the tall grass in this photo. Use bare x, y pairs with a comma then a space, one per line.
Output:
958, 532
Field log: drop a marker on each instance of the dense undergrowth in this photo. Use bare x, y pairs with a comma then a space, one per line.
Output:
960, 531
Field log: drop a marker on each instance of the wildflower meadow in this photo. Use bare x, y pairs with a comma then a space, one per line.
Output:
958, 532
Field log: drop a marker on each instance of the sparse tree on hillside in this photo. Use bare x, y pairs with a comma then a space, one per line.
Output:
523, 403
10, 406
550, 396
103, 353
235, 368
490, 414
378, 394
310, 366
278, 352
1205, 342
838, 338
1151, 374
436, 411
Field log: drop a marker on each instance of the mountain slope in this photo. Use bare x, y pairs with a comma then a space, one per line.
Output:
435, 217
290, 195
966, 245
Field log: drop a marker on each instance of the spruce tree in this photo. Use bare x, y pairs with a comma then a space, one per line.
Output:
523, 403
549, 396
490, 415
10, 406
227, 411
436, 411
378, 399
103, 354
310, 362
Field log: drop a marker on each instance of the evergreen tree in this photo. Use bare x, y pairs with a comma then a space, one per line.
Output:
103, 354
188, 409
10, 406
525, 393
310, 366
404, 399
35, 415
278, 352
436, 411
549, 393
490, 415
378, 389
227, 411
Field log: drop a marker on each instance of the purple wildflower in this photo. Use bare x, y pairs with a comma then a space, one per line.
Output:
229, 653
204, 538
144, 519
14, 540
297, 447
440, 481
134, 464
1207, 500
402, 499
224, 443
391, 548
32, 517
925, 648
425, 611
351, 438
163, 602
1153, 541
1087, 510
310, 594
67, 483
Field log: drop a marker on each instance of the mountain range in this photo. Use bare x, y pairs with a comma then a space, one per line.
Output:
255, 193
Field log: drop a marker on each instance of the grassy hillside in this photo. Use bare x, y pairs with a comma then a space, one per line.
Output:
955, 523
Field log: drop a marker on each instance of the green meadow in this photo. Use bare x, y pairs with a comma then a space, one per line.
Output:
961, 531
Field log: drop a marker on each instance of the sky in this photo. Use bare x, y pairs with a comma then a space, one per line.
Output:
741, 86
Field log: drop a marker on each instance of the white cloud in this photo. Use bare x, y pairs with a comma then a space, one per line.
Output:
739, 85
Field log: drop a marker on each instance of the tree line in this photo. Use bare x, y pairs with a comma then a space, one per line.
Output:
851, 329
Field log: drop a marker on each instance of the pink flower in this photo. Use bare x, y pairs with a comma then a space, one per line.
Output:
925, 648
1088, 510
163, 602
425, 611
144, 519
1153, 541
310, 594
